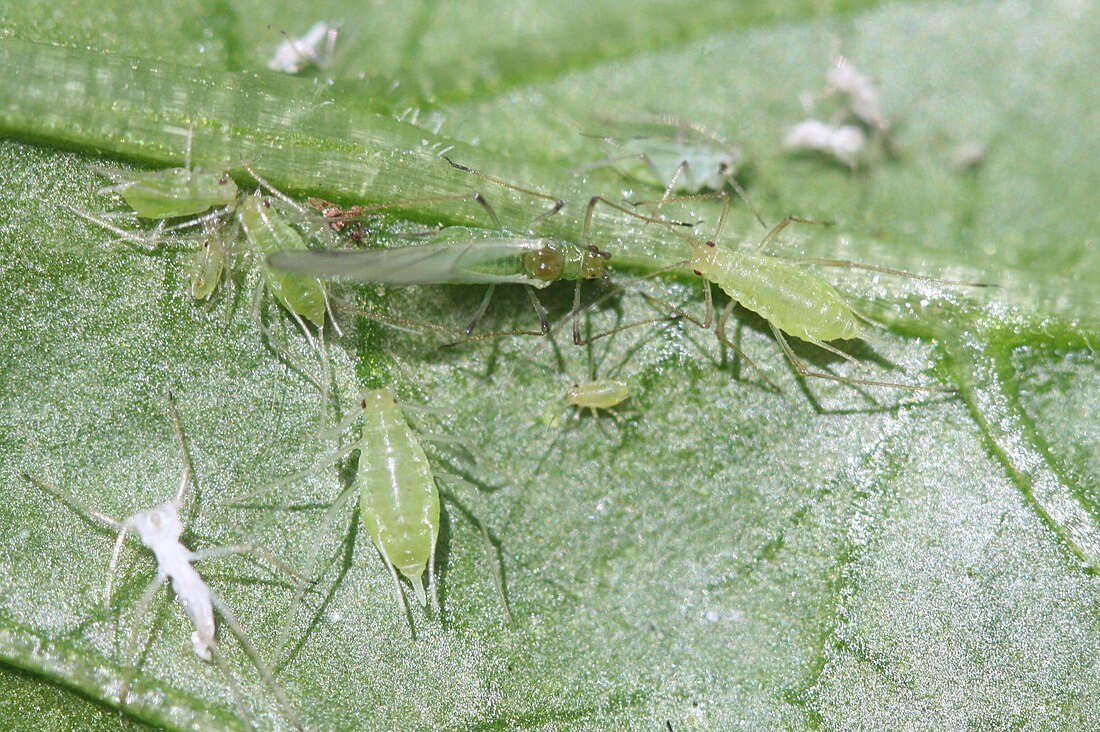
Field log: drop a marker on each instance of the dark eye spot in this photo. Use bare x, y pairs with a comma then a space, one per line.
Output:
222, 181
698, 272
267, 204
710, 244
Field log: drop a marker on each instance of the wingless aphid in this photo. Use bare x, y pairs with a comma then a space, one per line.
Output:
160, 529
172, 193
397, 492
680, 156
792, 300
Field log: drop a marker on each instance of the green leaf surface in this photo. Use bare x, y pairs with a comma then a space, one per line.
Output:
725, 557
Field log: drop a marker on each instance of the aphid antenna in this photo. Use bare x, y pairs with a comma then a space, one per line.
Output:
557, 203
150, 239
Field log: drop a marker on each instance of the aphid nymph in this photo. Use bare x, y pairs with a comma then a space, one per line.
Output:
398, 494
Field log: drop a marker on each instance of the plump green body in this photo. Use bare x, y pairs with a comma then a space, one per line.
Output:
266, 232
175, 192
398, 495
598, 394
797, 302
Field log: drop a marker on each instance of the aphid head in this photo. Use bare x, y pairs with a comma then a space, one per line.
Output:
703, 255
158, 524
593, 263
377, 398
545, 263
226, 190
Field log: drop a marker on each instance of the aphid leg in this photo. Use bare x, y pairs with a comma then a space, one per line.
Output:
234, 687
404, 324
671, 181
188, 468
461, 442
475, 196
558, 204
771, 235
88, 514
207, 218
585, 232
129, 656
274, 343
75, 504
272, 190
314, 557
720, 331
544, 322
606, 162
112, 568
492, 554
250, 650
480, 312
149, 242
215, 552
803, 370
715, 195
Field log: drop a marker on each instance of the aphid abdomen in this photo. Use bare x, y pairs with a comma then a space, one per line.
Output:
398, 495
792, 299
167, 194
194, 595
267, 233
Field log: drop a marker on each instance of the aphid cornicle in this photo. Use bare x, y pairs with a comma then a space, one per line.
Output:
159, 529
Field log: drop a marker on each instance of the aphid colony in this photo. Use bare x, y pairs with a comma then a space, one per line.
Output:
287, 247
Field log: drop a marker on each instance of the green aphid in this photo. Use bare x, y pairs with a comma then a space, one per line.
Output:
208, 264
267, 232
176, 192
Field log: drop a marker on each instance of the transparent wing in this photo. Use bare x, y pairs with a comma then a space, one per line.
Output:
489, 261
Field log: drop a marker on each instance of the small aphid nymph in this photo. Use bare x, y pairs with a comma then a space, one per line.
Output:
596, 395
